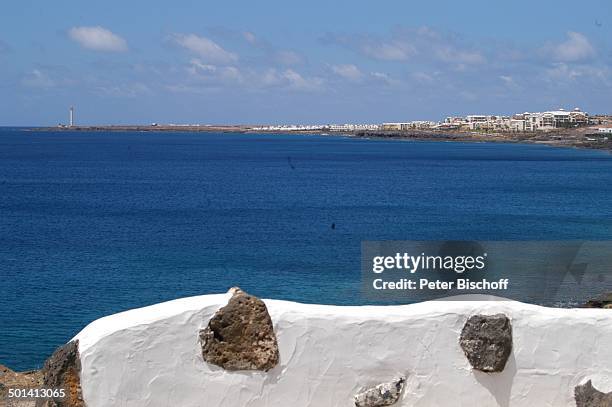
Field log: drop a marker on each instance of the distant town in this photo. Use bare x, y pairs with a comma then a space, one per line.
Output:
562, 128
520, 122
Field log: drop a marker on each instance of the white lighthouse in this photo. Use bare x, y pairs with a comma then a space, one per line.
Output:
71, 116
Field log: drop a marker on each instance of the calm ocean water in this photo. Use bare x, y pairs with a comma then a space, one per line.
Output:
96, 223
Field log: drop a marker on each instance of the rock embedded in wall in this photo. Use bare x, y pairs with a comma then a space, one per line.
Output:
588, 396
486, 341
240, 336
384, 394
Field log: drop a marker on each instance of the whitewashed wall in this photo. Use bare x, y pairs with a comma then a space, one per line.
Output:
151, 356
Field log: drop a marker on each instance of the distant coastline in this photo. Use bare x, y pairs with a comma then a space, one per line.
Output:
582, 137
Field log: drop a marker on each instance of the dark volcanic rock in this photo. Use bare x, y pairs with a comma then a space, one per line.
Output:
240, 336
603, 301
384, 394
486, 341
63, 371
588, 396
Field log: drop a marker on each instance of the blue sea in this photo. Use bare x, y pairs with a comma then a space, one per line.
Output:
96, 223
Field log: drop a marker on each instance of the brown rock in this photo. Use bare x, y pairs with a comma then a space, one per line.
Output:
15, 380
63, 371
486, 341
588, 396
240, 336
602, 301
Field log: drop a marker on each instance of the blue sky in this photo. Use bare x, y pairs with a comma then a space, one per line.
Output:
289, 62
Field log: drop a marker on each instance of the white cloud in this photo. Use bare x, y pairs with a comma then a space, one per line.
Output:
203, 75
98, 39
198, 67
298, 82
208, 77
205, 48
48, 77
389, 51
562, 72
38, 79
289, 79
448, 53
271, 77
422, 77
250, 37
510, 83
127, 90
203, 71
288, 58
348, 71
404, 44
577, 47
384, 78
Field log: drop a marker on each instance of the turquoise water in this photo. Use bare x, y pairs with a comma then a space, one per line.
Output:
96, 223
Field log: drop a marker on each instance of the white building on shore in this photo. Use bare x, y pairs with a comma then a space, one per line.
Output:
413, 125
549, 120
318, 127
353, 127
528, 121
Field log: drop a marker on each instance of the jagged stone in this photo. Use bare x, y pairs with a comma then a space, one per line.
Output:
588, 396
486, 341
240, 336
63, 371
384, 394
